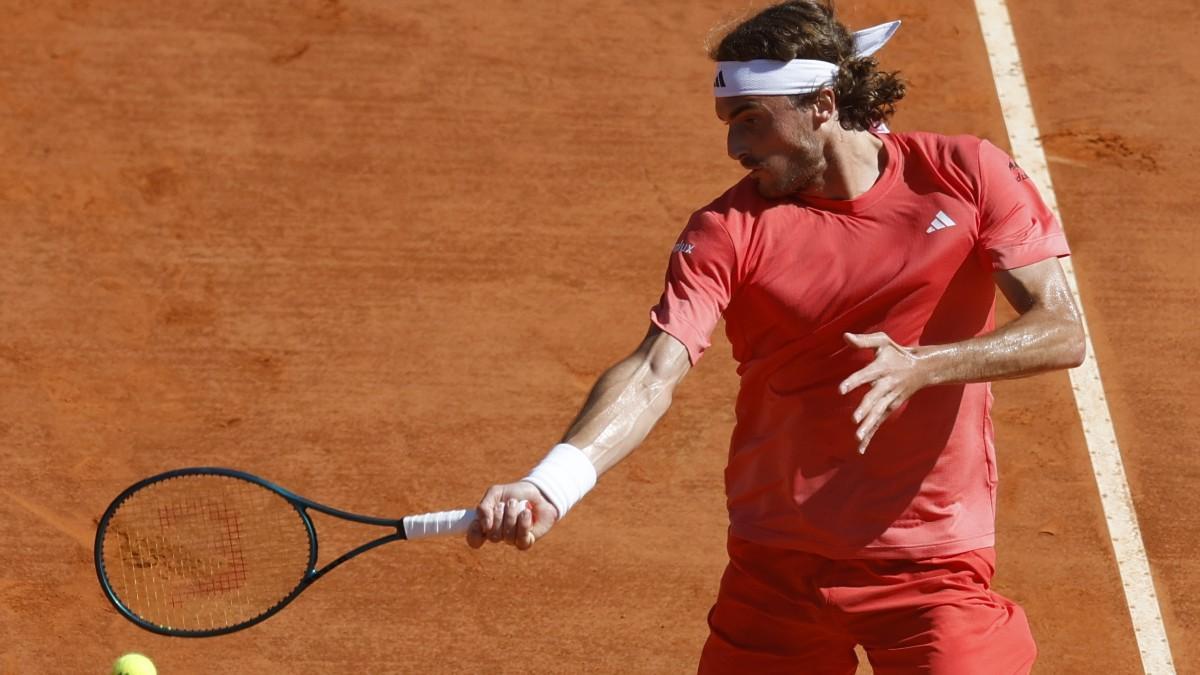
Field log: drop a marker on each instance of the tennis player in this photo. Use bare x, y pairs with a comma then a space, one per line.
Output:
856, 272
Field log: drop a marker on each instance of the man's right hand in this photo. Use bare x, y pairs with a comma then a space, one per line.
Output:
499, 518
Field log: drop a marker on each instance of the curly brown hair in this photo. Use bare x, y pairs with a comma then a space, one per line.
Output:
807, 29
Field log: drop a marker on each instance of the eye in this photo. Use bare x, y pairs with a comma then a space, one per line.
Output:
751, 120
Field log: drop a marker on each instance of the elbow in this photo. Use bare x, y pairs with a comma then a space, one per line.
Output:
1077, 356
1076, 348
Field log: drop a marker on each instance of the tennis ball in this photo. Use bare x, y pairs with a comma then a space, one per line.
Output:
134, 664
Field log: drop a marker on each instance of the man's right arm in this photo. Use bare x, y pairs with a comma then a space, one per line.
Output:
623, 406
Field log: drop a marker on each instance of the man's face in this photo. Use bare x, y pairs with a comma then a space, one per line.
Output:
776, 141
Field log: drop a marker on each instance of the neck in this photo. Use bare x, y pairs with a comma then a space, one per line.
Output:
854, 161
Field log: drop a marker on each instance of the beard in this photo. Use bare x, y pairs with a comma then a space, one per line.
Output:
797, 172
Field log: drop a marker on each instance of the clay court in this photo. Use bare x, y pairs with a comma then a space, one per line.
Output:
378, 252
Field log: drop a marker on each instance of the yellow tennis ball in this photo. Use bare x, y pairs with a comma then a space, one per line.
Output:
134, 664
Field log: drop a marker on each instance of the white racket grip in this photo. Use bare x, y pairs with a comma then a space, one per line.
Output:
442, 523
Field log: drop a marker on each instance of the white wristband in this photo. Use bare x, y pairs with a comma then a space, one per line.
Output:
564, 476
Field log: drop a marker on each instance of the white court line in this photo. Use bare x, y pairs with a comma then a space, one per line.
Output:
1085, 380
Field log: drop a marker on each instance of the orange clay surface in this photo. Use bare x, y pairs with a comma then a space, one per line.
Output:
379, 251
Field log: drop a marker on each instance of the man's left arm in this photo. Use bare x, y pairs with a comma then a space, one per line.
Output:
1048, 335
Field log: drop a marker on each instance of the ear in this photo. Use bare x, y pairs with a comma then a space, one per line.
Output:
825, 106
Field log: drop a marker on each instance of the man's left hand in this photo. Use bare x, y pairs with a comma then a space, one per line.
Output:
895, 375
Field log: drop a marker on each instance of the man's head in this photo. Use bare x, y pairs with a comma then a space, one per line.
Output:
778, 141
784, 137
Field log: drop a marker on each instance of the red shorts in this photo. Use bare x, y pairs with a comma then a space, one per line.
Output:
784, 611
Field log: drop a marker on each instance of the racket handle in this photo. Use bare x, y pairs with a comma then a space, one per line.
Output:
442, 523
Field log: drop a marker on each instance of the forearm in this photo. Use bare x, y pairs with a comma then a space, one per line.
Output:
624, 405
622, 408
1037, 341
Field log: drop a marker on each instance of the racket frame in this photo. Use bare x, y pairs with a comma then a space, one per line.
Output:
301, 504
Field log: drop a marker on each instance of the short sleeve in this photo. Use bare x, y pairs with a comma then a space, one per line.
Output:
1016, 227
699, 283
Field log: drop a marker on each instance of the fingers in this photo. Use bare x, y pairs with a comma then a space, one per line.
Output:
475, 536
524, 535
878, 413
479, 529
516, 514
485, 512
508, 524
873, 370
878, 389
867, 340
495, 533
859, 378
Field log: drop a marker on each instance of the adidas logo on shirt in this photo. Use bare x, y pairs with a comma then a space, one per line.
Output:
940, 222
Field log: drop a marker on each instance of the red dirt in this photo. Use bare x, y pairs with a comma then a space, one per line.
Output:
378, 254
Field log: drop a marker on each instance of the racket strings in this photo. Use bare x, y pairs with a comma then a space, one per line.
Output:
204, 552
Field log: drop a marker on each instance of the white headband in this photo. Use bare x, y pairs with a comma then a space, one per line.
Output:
764, 77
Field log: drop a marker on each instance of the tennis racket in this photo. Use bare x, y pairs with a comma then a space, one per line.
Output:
206, 551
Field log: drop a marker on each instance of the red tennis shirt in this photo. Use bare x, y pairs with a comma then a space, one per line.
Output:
912, 257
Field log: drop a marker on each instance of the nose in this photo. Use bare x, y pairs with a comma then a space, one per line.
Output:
735, 146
